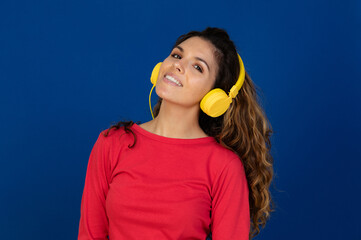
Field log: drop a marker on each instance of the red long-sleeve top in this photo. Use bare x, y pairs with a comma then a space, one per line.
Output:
163, 188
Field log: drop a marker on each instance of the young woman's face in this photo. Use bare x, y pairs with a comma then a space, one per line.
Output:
188, 73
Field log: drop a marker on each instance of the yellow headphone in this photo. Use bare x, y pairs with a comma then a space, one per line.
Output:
215, 102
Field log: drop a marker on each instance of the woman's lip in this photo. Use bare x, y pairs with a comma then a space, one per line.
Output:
174, 76
170, 82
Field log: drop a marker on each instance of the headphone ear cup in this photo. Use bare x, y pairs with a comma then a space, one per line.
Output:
215, 102
155, 73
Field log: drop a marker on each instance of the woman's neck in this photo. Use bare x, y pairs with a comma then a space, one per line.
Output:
175, 121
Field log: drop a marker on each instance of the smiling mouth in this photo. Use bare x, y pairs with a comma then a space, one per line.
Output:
173, 80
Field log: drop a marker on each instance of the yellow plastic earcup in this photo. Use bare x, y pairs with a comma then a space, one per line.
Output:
155, 73
153, 79
215, 102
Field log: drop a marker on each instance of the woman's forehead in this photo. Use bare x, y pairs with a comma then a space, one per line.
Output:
197, 42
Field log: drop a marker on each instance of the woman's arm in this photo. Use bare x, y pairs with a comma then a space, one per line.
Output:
93, 219
230, 204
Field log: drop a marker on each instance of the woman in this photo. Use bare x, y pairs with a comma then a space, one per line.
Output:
184, 174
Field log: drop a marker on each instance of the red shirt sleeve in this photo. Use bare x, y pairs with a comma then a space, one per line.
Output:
93, 219
230, 217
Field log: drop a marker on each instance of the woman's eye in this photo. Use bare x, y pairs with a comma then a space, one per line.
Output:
198, 68
175, 55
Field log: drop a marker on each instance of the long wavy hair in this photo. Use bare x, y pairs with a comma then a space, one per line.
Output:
243, 128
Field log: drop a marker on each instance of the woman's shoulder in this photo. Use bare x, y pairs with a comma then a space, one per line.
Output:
115, 136
221, 156
225, 152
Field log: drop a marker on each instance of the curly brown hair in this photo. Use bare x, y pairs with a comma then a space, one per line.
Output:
243, 128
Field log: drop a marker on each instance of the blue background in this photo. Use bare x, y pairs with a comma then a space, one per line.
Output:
68, 69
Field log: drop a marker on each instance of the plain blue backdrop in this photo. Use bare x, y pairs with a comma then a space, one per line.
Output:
68, 69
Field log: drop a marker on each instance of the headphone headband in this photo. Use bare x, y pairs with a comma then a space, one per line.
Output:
242, 73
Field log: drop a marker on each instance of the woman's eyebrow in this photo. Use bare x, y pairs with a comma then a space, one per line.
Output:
180, 48
198, 58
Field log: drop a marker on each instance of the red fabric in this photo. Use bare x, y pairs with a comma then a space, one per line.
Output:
163, 188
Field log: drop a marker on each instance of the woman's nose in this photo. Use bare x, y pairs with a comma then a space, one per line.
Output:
179, 66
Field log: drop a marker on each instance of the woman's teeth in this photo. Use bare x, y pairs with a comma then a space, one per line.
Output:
172, 79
